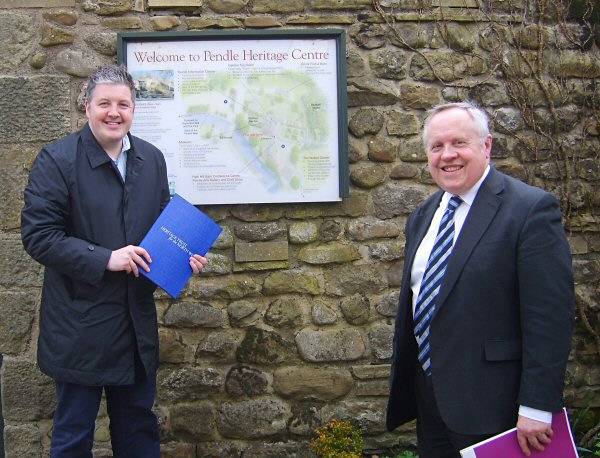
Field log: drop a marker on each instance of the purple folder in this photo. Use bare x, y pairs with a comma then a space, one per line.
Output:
180, 231
505, 445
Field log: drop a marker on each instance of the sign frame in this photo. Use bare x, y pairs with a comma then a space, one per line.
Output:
189, 38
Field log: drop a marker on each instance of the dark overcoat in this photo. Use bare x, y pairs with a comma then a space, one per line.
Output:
501, 333
77, 211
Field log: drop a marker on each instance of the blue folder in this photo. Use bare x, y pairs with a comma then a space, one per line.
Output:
180, 231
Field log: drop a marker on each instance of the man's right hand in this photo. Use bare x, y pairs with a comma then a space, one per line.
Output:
129, 259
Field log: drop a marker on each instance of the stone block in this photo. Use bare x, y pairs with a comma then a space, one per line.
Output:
51, 120
102, 42
323, 313
52, 36
225, 239
76, 63
285, 312
293, 281
331, 253
404, 171
122, 22
218, 264
372, 388
261, 265
195, 23
356, 309
380, 340
107, 7
370, 92
160, 23
310, 19
247, 381
349, 279
17, 310
411, 150
339, 4
260, 232
36, 3
165, 4
261, 251
388, 304
225, 287
365, 121
411, 36
389, 64
371, 36
258, 212
370, 415
370, 228
382, 150
261, 22
280, 449
172, 349
188, 384
195, 422
395, 199
264, 347
22, 441
302, 232
330, 345
574, 64
188, 315
301, 382
386, 250
242, 312
330, 230
367, 176
27, 394
371, 371
17, 269
401, 123
227, 6
220, 344
277, 6
419, 96
446, 66
252, 419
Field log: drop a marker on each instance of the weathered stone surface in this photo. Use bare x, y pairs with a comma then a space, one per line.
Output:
356, 309
123, 22
225, 239
16, 162
354, 205
370, 228
36, 3
258, 212
370, 415
388, 304
28, 401
51, 120
227, 6
355, 64
195, 422
275, 6
371, 371
220, 344
372, 388
107, 7
365, 91
445, 66
164, 22
367, 36
508, 120
395, 199
404, 171
22, 441
241, 313
16, 35
17, 310
172, 348
159, 4
358, 150
419, 96
254, 418
331, 230
389, 64
279, 449
304, 419
368, 176
310, 19
459, 37
382, 150
365, 121
188, 315
255, 232
226, 287
411, 150
261, 21
194, 23
285, 312
350, 279
325, 384
264, 347
339, 4
386, 250
323, 313
102, 42
380, 340
64, 17
226, 449
574, 64
38, 60
52, 36
412, 36
401, 123
330, 345
188, 384
218, 264
75, 63
589, 169
303, 232
260, 265
293, 281
17, 269
247, 381
261, 251
329, 253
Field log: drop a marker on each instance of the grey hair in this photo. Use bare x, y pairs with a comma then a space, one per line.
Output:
110, 74
479, 117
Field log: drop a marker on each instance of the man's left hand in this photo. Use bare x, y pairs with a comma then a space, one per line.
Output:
533, 434
197, 263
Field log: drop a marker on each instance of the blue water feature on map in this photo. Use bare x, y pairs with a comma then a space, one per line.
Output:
269, 179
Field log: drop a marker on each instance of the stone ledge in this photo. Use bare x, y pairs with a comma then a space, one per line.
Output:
35, 3
174, 3
261, 251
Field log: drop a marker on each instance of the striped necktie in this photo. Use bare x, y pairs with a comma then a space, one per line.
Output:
432, 281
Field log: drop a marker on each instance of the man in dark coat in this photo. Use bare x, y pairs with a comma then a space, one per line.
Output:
91, 198
484, 322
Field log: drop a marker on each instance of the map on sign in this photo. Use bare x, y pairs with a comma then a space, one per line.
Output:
241, 121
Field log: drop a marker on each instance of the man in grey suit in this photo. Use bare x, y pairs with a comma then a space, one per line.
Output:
485, 315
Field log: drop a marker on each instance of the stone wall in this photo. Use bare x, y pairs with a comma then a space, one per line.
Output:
291, 324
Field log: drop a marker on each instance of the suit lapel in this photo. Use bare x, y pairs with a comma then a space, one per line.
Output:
419, 226
485, 206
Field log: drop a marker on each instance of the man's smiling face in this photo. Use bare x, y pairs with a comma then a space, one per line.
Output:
110, 113
456, 152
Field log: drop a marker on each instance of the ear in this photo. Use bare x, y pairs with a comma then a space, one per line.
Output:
487, 144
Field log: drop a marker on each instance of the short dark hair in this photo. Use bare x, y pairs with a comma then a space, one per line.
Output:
110, 74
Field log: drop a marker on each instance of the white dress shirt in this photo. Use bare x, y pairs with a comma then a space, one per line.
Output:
422, 256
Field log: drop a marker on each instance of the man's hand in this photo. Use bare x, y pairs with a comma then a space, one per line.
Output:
129, 259
197, 263
533, 433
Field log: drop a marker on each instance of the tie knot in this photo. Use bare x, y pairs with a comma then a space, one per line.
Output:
454, 202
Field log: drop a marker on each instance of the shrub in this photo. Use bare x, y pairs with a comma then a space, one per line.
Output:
338, 439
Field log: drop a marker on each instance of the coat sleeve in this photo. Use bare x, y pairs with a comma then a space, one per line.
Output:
547, 305
45, 222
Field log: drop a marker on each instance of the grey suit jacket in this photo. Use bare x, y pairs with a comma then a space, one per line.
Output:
501, 334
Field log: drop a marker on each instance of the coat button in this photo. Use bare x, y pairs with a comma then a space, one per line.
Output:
91, 247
